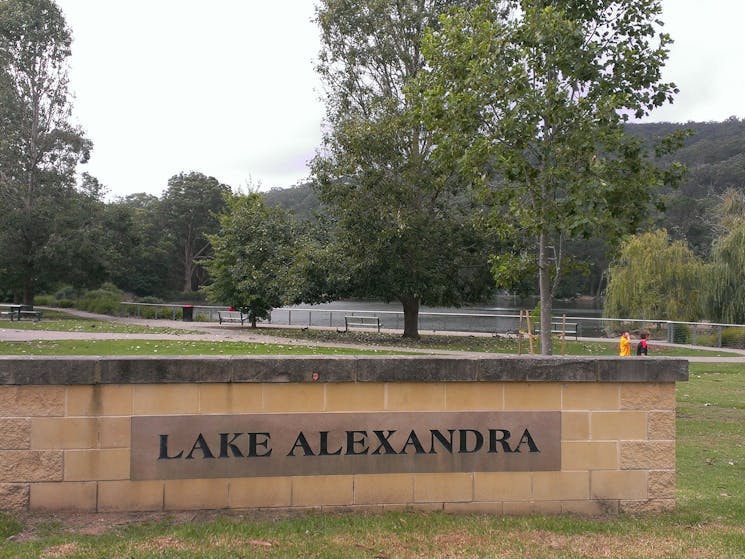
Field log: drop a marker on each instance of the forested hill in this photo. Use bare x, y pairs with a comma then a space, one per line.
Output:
714, 155
301, 200
715, 158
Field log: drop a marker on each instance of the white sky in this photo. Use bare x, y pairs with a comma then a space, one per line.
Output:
227, 87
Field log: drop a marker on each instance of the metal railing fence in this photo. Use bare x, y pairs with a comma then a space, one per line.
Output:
203, 313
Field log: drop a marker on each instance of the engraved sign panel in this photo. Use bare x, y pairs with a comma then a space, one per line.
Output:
248, 445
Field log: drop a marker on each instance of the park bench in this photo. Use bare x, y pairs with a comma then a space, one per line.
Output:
17, 312
361, 322
231, 316
34, 315
568, 329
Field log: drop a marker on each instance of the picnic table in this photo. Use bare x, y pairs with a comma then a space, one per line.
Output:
17, 312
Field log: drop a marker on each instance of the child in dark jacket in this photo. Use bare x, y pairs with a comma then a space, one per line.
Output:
641, 347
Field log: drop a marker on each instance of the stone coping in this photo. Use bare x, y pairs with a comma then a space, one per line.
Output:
42, 370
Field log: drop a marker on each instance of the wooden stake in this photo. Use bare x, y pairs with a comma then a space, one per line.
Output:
520, 334
563, 334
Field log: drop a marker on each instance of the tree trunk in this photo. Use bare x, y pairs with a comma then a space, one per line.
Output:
188, 270
28, 290
544, 282
411, 316
29, 272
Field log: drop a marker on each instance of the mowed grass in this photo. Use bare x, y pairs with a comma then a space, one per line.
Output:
171, 347
62, 324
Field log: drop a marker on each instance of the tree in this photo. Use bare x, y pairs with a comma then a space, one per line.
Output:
253, 253
39, 148
528, 98
402, 229
138, 257
655, 278
725, 281
190, 208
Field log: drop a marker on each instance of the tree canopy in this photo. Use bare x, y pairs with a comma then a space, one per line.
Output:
253, 253
401, 228
528, 98
655, 278
190, 208
39, 147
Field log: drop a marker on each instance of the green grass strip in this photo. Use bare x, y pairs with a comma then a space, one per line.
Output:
171, 347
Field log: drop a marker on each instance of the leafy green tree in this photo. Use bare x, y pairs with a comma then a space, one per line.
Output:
190, 208
78, 255
529, 98
402, 227
139, 258
655, 278
725, 280
39, 147
253, 253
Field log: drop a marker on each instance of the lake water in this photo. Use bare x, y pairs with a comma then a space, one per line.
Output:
503, 316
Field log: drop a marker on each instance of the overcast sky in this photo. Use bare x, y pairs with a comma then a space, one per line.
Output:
227, 87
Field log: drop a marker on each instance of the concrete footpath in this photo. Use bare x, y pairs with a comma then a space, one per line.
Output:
213, 332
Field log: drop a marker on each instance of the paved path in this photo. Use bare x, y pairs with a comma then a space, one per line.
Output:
210, 331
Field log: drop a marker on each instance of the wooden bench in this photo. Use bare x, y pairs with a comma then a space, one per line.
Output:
231, 316
569, 329
361, 322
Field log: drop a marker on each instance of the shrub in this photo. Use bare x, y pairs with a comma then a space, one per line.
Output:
733, 337
681, 333
44, 300
104, 300
66, 292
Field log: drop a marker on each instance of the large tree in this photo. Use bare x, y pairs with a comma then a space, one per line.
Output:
138, 257
725, 281
190, 208
530, 97
403, 228
655, 278
39, 147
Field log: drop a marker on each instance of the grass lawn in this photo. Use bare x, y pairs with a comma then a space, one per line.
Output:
92, 326
172, 347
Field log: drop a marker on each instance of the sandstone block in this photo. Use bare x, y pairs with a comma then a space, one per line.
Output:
15, 433
14, 496
32, 401
647, 455
30, 465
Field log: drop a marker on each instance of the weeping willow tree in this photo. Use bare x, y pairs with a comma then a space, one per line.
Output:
654, 278
725, 284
